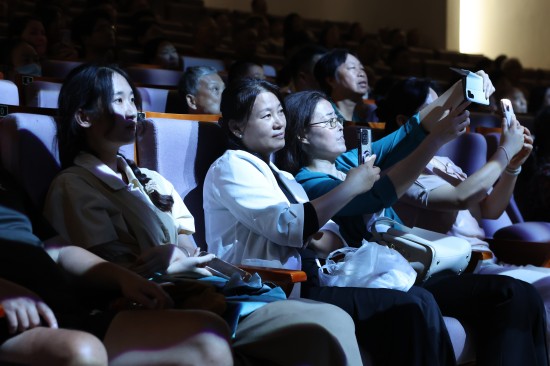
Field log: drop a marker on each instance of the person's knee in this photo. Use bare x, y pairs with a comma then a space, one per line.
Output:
83, 349
210, 349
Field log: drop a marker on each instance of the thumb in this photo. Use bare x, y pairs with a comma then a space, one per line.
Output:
369, 161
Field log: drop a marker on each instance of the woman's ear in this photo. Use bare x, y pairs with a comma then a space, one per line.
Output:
235, 129
191, 102
83, 119
303, 140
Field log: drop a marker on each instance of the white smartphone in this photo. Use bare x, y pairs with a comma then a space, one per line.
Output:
473, 86
364, 136
507, 110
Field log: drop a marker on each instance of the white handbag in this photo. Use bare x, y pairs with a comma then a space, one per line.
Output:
427, 251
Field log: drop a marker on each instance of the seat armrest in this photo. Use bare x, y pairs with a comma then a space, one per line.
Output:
520, 252
285, 278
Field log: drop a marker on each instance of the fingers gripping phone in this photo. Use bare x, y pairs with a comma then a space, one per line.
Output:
473, 86
221, 268
507, 110
364, 136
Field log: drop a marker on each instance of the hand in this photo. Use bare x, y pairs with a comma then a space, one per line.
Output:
23, 311
452, 125
512, 138
146, 293
170, 259
488, 87
363, 177
525, 151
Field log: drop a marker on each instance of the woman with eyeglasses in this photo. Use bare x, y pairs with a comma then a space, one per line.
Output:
506, 315
256, 214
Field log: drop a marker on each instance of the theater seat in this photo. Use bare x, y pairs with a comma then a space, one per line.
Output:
153, 99
9, 94
153, 76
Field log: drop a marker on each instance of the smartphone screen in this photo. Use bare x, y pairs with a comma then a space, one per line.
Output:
364, 135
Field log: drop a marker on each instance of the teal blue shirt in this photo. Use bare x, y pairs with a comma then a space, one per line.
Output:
388, 150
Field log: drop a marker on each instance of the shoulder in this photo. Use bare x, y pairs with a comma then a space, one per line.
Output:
237, 161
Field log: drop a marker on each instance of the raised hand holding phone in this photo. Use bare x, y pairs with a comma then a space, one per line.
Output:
507, 110
364, 135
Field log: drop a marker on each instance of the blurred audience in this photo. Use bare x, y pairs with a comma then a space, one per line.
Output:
162, 53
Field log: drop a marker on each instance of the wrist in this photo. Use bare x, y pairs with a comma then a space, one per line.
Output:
506, 153
512, 171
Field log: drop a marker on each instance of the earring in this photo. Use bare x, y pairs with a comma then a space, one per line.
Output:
239, 135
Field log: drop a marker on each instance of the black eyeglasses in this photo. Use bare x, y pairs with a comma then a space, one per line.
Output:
331, 123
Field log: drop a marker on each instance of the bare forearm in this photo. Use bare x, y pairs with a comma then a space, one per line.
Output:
405, 172
89, 268
495, 204
331, 202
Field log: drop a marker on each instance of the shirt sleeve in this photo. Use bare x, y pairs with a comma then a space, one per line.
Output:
381, 195
79, 213
244, 187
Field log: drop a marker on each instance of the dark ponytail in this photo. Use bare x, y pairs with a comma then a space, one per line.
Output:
163, 202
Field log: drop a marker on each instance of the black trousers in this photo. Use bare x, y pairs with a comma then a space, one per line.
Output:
394, 327
506, 315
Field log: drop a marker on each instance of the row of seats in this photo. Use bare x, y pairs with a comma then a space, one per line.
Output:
43, 93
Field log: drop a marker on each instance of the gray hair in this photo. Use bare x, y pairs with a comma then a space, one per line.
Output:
190, 79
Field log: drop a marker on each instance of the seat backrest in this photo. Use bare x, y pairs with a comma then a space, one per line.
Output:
29, 152
468, 151
153, 99
42, 94
190, 61
154, 76
9, 94
58, 68
182, 152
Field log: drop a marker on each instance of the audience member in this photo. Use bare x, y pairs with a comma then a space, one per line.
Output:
300, 67
330, 36
295, 34
494, 320
270, 222
162, 53
343, 78
95, 33
245, 69
146, 27
30, 29
446, 200
60, 45
355, 33
539, 98
207, 37
134, 217
200, 90
20, 58
246, 42
537, 194
74, 290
